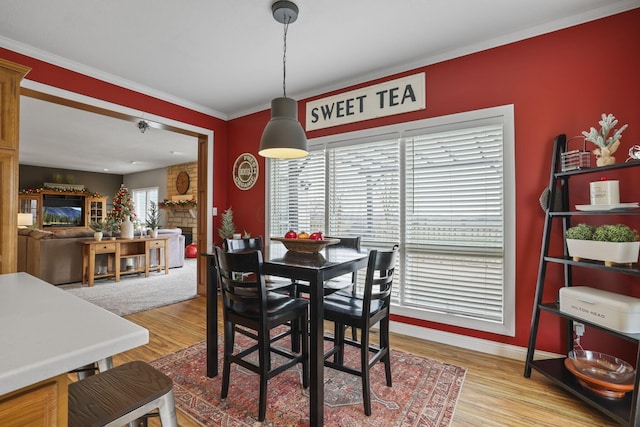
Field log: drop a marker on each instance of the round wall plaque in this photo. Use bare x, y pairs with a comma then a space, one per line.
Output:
182, 182
245, 171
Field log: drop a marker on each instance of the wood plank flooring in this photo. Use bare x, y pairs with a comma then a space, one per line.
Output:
495, 392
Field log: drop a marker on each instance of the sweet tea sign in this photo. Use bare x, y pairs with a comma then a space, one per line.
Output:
385, 99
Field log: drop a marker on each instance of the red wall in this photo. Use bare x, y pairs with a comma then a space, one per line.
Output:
52, 75
559, 83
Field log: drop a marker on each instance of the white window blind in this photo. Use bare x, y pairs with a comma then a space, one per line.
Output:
442, 188
454, 239
364, 192
297, 194
141, 201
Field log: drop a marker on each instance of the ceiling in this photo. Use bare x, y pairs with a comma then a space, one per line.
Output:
225, 58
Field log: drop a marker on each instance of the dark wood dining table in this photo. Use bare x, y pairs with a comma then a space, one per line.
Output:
314, 268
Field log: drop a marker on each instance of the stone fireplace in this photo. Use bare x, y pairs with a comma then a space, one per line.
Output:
184, 217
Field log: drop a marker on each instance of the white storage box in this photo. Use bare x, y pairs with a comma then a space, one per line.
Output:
608, 309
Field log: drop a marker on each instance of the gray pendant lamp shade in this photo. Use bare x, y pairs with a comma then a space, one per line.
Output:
283, 137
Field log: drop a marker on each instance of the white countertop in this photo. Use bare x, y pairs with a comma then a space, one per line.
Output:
46, 331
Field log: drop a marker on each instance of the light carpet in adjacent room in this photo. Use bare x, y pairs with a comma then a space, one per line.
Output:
134, 293
424, 392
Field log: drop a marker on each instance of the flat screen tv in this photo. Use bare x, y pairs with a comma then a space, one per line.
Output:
62, 211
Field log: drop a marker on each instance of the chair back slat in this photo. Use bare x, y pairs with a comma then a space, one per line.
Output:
238, 245
240, 278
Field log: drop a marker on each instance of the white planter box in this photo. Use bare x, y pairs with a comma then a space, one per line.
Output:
615, 311
609, 252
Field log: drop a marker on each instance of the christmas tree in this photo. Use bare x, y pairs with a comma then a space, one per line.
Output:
122, 207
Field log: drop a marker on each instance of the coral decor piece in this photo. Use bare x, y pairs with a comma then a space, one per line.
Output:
122, 207
607, 144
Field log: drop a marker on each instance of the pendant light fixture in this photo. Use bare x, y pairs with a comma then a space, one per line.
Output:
143, 125
283, 137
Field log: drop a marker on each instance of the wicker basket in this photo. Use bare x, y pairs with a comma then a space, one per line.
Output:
575, 159
305, 245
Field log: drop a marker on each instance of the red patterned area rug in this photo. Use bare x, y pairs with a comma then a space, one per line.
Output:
424, 392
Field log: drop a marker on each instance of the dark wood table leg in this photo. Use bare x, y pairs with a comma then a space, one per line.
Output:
316, 353
212, 317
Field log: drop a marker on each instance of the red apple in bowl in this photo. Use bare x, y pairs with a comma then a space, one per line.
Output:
316, 236
290, 234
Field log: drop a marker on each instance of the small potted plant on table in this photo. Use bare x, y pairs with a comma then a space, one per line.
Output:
613, 244
153, 219
98, 228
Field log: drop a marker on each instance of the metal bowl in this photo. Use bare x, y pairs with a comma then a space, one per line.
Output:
601, 366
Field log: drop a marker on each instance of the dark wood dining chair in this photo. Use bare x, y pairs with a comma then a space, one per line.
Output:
363, 312
238, 245
247, 303
343, 284
256, 243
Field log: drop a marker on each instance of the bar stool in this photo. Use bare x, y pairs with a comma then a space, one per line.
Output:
122, 395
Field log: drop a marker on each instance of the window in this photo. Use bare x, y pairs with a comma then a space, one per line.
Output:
141, 201
442, 188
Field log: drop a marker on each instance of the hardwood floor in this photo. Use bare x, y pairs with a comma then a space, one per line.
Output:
495, 392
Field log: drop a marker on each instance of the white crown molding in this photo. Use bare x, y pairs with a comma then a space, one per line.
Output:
608, 10
101, 75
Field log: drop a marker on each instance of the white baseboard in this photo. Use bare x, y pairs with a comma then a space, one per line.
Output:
470, 343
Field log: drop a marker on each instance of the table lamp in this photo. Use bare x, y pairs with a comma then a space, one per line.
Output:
25, 220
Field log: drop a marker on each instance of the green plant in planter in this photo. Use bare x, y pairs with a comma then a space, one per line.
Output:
615, 233
111, 225
605, 233
227, 228
581, 232
98, 226
153, 216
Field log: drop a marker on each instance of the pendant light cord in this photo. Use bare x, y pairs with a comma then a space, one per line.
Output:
284, 58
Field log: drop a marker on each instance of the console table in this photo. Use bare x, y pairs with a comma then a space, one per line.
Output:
138, 249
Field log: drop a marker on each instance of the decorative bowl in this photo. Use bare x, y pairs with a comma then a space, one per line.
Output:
602, 388
305, 245
601, 366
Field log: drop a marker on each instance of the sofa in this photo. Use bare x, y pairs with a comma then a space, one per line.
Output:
56, 256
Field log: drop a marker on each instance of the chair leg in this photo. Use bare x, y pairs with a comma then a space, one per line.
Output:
264, 360
364, 368
295, 335
167, 410
354, 333
305, 349
384, 343
354, 330
229, 332
338, 343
